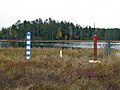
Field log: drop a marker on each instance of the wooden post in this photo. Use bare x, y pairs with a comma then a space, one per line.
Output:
28, 45
95, 47
95, 51
60, 53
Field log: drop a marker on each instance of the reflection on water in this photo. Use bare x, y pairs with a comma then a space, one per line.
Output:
63, 44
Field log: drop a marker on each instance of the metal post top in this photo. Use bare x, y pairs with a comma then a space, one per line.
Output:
28, 33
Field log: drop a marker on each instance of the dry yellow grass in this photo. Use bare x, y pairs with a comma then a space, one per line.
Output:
47, 71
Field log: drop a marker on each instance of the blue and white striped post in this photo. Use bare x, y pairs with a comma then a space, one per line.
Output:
28, 45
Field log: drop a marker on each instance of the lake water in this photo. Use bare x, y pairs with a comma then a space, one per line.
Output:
114, 45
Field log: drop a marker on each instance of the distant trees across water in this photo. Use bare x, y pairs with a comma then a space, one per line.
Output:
48, 30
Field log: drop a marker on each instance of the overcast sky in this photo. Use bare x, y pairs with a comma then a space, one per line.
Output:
104, 13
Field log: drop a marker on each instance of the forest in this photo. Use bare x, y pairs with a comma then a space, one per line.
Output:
50, 29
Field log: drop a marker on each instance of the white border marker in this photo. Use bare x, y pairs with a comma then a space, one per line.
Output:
28, 44
60, 53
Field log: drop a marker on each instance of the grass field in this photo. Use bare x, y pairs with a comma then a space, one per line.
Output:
47, 71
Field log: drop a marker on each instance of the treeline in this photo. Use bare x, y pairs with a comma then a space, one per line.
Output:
48, 30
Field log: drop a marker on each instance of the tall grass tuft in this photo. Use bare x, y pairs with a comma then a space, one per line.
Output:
45, 70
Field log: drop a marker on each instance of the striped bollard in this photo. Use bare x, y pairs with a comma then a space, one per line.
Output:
95, 47
28, 45
95, 51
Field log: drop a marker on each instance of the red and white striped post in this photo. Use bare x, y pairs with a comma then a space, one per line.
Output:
94, 60
95, 47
